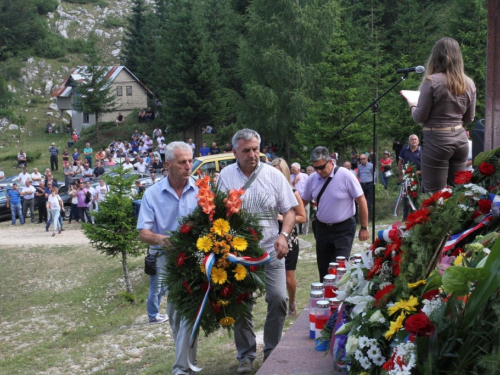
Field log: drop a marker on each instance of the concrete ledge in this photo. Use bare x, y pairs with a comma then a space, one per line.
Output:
295, 354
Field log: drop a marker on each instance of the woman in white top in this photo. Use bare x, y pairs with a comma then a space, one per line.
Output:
55, 205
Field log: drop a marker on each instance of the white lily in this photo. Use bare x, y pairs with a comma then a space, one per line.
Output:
361, 302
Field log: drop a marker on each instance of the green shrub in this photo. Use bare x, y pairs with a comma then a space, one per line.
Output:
7, 112
31, 156
11, 69
51, 47
63, 59
45, 6
103, 4
77, 45
114, 22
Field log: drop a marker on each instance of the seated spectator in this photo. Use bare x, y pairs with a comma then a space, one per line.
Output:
150, 115
98, 170
135, 135
100, 156
156, 132
119, 145
207, 130
204, 150
143, 137
127, 165
155, 166
21, 159
160, 138
228, 148
121, 153
120, 120
215, 150
74, 136
49, 128
141, 117
78, 169
110, 161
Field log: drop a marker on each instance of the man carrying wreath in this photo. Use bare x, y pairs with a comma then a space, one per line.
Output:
269, 188
162, 204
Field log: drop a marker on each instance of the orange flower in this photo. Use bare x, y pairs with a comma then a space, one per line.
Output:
233, 202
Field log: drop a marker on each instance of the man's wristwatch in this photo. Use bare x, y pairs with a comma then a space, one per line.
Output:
287, 236
365, 228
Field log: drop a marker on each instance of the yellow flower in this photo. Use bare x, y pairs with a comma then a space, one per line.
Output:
395, 326
405, 305
239, 243
202, 268
240, 272
218, 275
458, 260
418, 283
204, 244
221, 227
222, 302
227, 321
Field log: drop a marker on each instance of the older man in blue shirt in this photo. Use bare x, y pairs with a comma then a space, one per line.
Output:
162, 204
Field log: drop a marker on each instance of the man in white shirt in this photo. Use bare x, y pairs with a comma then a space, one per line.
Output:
29, 200
120, 145
36, 178
23, 177
298, 180
141, 166
101, 191
193, 146
127, 165
160, 138
87, 173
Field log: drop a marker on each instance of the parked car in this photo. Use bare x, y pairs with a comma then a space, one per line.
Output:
7, 182
215, 163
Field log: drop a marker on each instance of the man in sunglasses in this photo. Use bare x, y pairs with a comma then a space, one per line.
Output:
336, 225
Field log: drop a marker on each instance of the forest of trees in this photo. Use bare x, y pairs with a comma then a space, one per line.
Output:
295, 70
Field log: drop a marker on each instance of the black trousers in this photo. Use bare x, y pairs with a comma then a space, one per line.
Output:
333, 241
368, 192
42, 211
54, 162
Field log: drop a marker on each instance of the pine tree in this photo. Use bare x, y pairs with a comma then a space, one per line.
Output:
284, 41
114, 232
189, 82
94, 93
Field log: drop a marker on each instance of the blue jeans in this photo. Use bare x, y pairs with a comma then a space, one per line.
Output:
156, 291
384, 179
16, 209
59, 219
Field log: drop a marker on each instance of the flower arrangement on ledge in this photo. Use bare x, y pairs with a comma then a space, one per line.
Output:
212, 272
425, 298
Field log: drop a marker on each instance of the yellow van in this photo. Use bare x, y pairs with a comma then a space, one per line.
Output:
214, 163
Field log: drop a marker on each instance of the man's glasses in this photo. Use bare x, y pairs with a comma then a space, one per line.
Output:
321, 167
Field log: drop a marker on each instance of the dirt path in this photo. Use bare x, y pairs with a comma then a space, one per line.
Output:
35, 235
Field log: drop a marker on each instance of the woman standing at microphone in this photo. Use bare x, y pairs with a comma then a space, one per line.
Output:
447, 100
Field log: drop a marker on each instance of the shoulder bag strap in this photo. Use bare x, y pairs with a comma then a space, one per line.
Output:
325, 185
254, 176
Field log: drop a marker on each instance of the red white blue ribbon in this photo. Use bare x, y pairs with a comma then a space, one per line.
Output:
390, 234
456, 238
209, 262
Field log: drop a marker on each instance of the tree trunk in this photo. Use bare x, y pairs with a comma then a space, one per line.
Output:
125, 272
97, 129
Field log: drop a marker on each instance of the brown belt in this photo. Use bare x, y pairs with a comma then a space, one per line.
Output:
447, 129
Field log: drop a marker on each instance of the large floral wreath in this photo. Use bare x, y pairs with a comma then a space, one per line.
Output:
222, 238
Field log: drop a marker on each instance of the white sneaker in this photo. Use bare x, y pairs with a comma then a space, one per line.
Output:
158, 319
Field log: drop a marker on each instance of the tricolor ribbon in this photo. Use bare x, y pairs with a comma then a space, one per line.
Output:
456, 238
209, 262
390, 234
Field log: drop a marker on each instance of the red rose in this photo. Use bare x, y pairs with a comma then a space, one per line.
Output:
414, 183
414, 194
463, 177
242, 297
419, 324
186, 285
226, 291
186, 228
484, 206
215, 307
409, 169
181, 258
430, 294
253, 268
486, 168
379, 296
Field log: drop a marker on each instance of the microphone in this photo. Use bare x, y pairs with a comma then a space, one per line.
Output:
417, 69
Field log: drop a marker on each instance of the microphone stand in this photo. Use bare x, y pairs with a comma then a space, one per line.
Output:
374, 106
